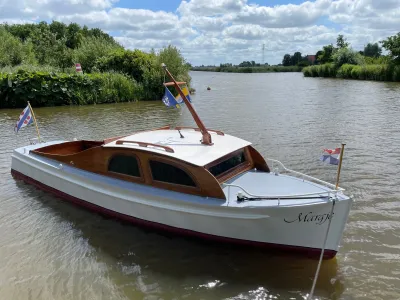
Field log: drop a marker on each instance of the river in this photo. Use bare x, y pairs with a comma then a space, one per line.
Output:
50, 249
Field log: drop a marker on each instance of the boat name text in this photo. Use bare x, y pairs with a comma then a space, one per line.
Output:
310, 217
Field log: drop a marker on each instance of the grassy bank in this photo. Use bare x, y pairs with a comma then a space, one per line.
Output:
378, 72
236, 69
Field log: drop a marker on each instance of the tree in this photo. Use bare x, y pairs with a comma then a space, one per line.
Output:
326, 55
286, 60
296, 58
372, 50
14, 52
74, 36
341, 42
347, 56
92, 49
392, 44
317, 55
59, 29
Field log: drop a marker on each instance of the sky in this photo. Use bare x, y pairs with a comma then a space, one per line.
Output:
209, 32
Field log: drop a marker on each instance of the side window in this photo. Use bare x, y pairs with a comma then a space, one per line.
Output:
228, 164
171, 174
124, 164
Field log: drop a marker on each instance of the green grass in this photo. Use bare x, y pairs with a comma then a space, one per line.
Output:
377, 72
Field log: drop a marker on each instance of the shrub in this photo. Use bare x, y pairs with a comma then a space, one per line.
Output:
129, 62
14, 52
347, 56
396, 73
91, 49
51, 89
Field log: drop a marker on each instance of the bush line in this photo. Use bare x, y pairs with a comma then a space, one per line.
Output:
377, 72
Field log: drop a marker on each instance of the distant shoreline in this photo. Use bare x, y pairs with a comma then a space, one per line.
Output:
257, 69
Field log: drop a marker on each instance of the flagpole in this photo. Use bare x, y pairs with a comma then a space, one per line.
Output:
340, 165
34, 119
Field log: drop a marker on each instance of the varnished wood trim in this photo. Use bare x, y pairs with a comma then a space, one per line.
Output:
144, 144
173, 83
206, 140
258, 160
246, 165
95, 160
109, 140
198, 129
168, 185
123, 176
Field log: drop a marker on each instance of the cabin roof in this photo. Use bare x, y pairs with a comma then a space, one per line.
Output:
188, 149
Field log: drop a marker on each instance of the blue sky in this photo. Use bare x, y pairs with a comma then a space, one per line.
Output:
172, 5
221, 31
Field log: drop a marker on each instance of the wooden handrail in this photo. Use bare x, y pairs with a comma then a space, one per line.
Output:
143, 144
206, 140
172, 83
198, 129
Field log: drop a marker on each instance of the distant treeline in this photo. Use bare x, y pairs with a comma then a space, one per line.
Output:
229, 68
44, 56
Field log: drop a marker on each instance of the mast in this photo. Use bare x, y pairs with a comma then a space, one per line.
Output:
206, 140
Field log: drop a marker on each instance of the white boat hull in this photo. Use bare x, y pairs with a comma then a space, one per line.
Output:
298, 228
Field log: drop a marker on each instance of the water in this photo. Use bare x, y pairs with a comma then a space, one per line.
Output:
50, 249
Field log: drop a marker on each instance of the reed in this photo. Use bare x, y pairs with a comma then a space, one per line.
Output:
377, 72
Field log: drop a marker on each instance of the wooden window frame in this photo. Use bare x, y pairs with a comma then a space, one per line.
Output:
244, 166
126, 176
173, 186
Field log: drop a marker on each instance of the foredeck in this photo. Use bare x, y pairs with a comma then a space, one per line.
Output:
282, 190
189, 148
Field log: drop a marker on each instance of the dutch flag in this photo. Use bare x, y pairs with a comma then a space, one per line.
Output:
331, 156
25, 118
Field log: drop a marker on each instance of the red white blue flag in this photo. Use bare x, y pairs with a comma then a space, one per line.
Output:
25, 118
331, 156
78, 68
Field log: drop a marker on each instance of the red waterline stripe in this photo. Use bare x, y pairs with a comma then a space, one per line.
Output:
305, 251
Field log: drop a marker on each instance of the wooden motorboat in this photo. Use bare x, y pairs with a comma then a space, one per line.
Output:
192, 181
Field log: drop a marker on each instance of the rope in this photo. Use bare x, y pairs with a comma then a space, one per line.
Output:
322, 253
164, 75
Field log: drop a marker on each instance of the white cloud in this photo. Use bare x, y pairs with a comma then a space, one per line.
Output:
210, 32
210, 8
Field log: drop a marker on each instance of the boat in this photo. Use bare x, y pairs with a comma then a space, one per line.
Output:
192, 181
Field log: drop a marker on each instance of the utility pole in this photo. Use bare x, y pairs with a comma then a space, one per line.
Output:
263, 48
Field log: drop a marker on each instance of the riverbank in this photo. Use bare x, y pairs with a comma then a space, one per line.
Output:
258, 69
377, 72
37, 64
56, 89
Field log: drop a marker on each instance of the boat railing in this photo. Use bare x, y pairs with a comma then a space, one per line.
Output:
305, 176
332, 191
286, 196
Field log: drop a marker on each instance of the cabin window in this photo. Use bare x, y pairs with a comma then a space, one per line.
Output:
124, 164
167, 173
228, 164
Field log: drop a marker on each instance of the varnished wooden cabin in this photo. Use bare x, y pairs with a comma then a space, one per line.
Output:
166, 158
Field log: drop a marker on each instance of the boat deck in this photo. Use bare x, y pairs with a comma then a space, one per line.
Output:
274, 186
